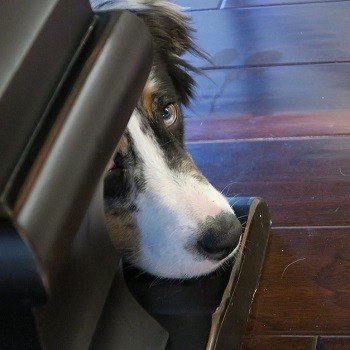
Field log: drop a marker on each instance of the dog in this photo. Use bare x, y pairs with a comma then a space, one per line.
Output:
160, 209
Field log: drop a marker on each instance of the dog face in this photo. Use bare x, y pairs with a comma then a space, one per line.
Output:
160, 209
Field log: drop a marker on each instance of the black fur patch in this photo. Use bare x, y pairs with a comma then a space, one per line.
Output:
171, 34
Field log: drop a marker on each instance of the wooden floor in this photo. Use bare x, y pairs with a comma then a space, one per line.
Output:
272, 119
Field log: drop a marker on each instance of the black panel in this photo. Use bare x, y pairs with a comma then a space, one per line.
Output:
20, 282
36, 45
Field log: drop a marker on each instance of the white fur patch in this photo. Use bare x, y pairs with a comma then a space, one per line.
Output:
170, 208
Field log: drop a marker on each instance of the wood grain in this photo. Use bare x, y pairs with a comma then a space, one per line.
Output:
248, 3
305, 285
198, 5
273, 35
306, 182
262, 91
278, 343
333, 343
317, 123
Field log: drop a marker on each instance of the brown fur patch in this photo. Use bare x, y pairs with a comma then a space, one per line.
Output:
122, 231
147, 98
122, 146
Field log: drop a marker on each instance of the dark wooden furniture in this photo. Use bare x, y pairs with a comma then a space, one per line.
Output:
61, 116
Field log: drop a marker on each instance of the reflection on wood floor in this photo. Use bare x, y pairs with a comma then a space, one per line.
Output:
272, 119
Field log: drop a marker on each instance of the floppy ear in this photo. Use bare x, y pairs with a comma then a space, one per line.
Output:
169, 27
171, 32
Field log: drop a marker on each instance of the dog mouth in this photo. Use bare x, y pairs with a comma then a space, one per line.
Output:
115, 179
111, 165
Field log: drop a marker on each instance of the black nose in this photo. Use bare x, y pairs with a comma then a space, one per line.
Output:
220, 235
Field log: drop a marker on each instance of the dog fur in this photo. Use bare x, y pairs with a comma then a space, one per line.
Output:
160, 209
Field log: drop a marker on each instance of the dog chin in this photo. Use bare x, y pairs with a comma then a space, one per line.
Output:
169, 267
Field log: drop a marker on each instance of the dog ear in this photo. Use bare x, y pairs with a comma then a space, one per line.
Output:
172, 37
172, 33
169, 27
168, 24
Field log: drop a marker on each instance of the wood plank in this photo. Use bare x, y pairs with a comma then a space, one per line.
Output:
194, 5
248, 3
305, 284
278, 343
334, 343
304, 181
317, 123
318, 32
271, 91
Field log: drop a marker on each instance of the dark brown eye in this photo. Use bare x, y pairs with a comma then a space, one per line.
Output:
170, 114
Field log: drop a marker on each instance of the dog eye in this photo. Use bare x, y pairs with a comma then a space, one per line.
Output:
170, 114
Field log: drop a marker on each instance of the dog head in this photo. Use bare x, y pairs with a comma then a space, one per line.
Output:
160, 209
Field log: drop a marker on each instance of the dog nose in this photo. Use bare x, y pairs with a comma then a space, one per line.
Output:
220, 235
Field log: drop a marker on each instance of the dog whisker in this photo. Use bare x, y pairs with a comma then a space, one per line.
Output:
237, 201
156, 281
228, 186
